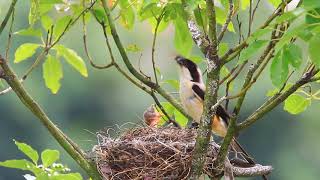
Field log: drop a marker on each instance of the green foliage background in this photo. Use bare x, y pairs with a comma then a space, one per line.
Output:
103, 99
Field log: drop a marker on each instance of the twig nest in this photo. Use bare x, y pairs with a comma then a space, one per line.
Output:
150, 153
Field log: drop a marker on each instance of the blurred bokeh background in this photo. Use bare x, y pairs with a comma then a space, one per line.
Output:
83, 106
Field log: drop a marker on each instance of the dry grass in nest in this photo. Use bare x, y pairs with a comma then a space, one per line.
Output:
146, 153
149, 153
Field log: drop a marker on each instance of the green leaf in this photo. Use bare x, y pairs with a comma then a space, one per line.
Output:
223, 48
100, 15
169, 109
25, 51
182, 37
70, 176
224, 71
73, 59
276, 90
133, 48
296, 104
127, 15
314, 51
28, 150
313, 16
52, 73
61, 26
33, 13
150, 10
293, 54
49, 156
29, 32
251, 50
245, 4
18, 164
279, 70
221, 16
173, 83
162, 26
275, 3
258, 34
291, 33
46, 22
311, 3
180, 118
290, 15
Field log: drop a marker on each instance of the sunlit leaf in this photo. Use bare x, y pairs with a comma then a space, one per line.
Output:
73, 59
34, 12
18, 164
182, 38
173, 83
251, 50
223, 48
100, 15
158, 72
127, 15
150, 11
180, 118
133, 48
296, 104
28, 150
275, 3
196, 59
52, 73
46, 22
48, 157
29, 32
276, 90
244, 4
25, 51
61, 26
162, 26
221, 17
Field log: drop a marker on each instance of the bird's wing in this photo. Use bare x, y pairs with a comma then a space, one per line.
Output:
221, 112
198, 91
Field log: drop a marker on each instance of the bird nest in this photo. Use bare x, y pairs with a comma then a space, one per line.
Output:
153, 153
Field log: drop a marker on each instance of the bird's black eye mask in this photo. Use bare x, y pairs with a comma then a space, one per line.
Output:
191, 66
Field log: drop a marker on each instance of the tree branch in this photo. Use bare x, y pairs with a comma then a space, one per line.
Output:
77, 154
133, 71
276, 100
212, 86
236, 50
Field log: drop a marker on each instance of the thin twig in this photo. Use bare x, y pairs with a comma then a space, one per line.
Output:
84, 30
230, 81
225, 25
228, 75
10, 34
6, 19
158, 19
163, 110
131, 68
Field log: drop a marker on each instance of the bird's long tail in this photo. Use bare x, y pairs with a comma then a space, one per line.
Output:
236, 145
